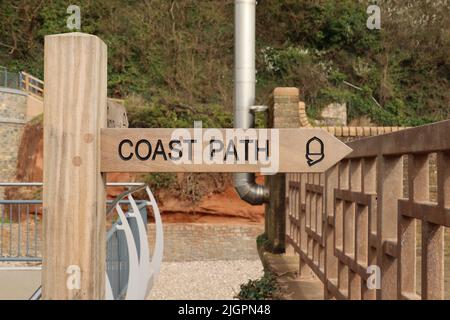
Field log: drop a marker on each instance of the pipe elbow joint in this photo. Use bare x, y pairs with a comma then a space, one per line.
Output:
249, 190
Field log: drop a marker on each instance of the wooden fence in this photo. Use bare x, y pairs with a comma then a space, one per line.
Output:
364, 214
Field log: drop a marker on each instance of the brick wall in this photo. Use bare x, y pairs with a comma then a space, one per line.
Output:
197, 242
284, 113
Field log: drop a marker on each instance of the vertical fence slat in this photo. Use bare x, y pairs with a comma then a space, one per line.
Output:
389, 190
304, 269
320, 223
331, 182
432, 261
358, 224
418, 187
369, 185
443, 180
433, 237
344, 175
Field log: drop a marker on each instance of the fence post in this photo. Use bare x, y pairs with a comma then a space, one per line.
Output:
74, 189
283, 114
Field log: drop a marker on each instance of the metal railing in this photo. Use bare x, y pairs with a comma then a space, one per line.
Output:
373, 226
22, 81
117, 257
21, 224
10, 80
20, 230
130, 273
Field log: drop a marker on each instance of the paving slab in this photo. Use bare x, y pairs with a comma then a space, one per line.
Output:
19, 283
292, 287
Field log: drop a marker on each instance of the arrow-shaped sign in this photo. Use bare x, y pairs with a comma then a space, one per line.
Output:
267, 151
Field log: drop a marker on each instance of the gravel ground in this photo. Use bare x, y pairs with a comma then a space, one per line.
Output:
204, 280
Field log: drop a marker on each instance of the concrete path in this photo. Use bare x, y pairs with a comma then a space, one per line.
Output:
285, 267
204, 280
19, 283
178, 280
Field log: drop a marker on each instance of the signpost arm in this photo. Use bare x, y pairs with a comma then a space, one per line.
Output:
74, 188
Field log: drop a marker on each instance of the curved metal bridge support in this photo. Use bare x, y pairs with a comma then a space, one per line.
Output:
142, 271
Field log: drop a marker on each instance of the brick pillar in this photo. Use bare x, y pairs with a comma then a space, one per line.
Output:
283, 113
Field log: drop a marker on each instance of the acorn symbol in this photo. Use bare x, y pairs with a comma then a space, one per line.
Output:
315, 152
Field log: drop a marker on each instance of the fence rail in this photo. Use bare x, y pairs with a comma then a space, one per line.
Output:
32, 85
386, 206
22, 81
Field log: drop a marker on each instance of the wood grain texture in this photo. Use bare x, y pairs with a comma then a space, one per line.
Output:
74, 188
389, 190
292, 152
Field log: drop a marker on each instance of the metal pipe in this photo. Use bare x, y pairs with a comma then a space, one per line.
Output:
244, 93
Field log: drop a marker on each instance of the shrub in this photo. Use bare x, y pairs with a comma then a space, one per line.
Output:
260, 289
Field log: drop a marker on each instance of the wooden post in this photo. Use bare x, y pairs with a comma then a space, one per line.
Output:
74, 188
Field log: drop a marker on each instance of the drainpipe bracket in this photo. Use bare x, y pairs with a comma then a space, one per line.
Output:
256, 109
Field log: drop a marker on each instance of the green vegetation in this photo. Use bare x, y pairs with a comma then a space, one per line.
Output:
262, 241
172, 114
260, 289
177, 56
39, 119
160, 180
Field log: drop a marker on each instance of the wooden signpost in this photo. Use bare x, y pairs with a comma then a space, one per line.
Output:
79, 150
219, 150
74, 187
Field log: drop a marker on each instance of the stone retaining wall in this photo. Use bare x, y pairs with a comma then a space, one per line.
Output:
13, 108
197, 242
